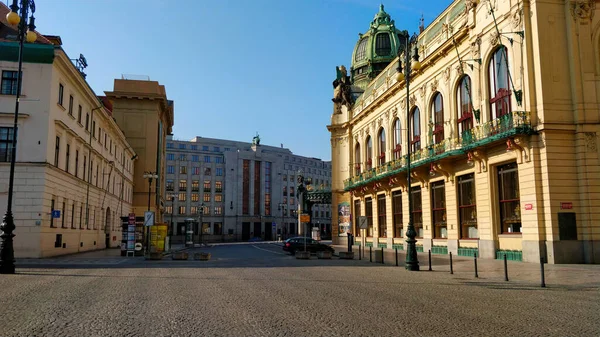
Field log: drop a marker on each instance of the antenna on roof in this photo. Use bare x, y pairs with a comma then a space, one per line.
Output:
80, 64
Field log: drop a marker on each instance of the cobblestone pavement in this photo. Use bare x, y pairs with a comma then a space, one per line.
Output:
256, 290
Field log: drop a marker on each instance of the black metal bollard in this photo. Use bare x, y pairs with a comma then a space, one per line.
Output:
475, 261
430, 260
396, 257
505, 269
382, 255
542, 270
451, 270
359, 251
370, 253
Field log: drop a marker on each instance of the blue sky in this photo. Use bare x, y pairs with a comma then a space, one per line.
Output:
233, 67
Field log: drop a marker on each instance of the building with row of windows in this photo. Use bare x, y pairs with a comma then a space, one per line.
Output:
76, 174
502, 122
233, 190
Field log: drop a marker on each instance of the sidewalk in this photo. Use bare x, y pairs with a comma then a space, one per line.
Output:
563, 275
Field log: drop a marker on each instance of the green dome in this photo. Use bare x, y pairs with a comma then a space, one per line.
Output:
375, 49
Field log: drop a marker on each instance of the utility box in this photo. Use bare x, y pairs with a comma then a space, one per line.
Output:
378, 255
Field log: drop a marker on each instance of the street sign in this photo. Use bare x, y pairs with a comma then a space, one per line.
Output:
362, 222
274, 225
304, 217
56, 214
148, 219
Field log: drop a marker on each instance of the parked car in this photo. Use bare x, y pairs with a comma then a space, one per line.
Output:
293, 245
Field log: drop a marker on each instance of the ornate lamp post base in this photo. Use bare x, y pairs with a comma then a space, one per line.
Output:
412, 262
7, 256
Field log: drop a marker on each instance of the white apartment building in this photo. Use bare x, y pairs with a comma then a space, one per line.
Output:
72, 159
244, 190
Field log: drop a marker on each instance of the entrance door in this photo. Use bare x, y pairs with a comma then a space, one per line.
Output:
257, 230
268, 231
107, 224
245, 231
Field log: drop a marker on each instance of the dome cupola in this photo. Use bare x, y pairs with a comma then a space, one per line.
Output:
375, 49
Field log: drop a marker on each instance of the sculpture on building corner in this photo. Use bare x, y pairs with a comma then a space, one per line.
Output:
342, 93
256, 139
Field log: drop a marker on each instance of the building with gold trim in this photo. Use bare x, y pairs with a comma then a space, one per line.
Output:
504, 124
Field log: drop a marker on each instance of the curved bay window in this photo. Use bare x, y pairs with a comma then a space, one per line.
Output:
417, 211
397, 211
357, 159
508, 188
397, 139
369, 214
415, 141
356, 230
381, 224
438, 210
467, 209
369, 153
381, 141
361, 51
465, 106
437, 112
499, 84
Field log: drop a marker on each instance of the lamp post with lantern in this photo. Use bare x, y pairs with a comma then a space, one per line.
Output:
150, 176
409, 49
25, 32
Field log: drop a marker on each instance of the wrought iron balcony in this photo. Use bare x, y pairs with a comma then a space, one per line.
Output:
515, 123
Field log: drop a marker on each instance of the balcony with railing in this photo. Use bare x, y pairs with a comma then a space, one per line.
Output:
515, 123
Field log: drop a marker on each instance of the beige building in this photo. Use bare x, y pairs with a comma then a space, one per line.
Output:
72, 161
504, 126
141, 109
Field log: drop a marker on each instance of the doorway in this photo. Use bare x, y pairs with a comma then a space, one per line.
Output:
245, 231
107, 228
268, 231
257, 230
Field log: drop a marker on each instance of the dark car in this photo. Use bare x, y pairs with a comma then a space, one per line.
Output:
293, 245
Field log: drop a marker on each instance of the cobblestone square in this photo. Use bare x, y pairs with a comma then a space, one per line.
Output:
257, 290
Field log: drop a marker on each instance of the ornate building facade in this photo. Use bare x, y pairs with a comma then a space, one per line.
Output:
503, 134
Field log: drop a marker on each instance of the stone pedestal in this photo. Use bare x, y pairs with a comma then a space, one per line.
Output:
202, 256
324, 255
303, 255
180, 256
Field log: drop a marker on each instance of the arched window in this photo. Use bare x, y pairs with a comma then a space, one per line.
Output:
465, 106
369, 153
357, 159
397, 139
437, 114
499, 84
381, 141
415, 141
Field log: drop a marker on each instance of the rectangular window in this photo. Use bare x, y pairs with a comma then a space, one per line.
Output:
73, 215
94, 129
194, 210
508, 188
51, 211
397, 211
267, 188
369, 214
170, 185
170, 156
195, 197
195, 158
9, 83
182, 196
227, 149
205, 210
257, 187
467, 209
219, 172
207, 171
246, 187
168, 209
292, 201
56, 151
218, 160
61, 90
218, 186
182, 157
196, 171
70, 105
79, 115
182, 169
417, 211
81, 217
207, 159
84, 167
216, 149
76, 163
67, 157
207, 186
218, 210
63, 214
218, 228
194, 147
171, 169
218, 197
87, 121
182, 185
169, 145
182, 146
204, 148
181, 209
206, 197
195, 185
6, 141
381, 224
438, 210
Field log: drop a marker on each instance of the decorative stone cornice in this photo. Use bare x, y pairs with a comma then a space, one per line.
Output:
583, 9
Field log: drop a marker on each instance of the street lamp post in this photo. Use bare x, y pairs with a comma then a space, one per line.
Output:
201, 226
7, 253
412, 261
173, 197
150, 176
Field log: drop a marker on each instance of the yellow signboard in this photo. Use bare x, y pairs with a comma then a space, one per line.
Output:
158, 233
304, 217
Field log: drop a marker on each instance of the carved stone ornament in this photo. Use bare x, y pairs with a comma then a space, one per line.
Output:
583, 9
402, 106
591, 141
470, 4
379, 122
422, 91
459, 69
361, 133
434, 85
494, 38
412, 100
446, 74
475, 48
516, 18
394, 112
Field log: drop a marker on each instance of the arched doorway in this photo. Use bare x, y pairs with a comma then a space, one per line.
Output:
107, 228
